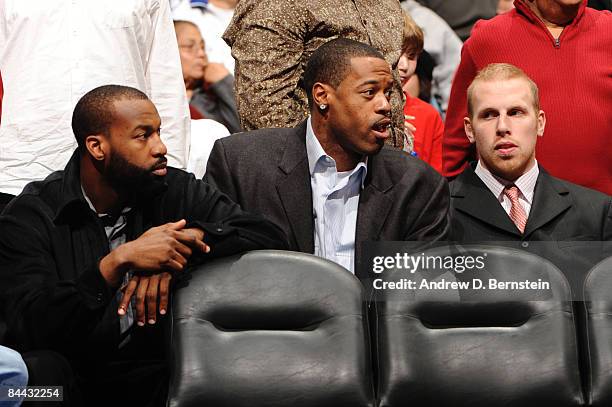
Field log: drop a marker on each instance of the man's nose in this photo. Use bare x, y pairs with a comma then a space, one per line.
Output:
159, 148
503, 125
384, 105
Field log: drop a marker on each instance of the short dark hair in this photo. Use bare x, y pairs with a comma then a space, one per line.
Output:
94, 112
331, 62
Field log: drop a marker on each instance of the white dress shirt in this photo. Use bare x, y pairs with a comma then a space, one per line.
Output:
335, 201
212, 22
525, 183
53, 52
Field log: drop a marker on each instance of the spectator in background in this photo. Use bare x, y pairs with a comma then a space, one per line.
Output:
273, 39
210, 91
51, 53
422, 120
209, 85
565, 48
442, 44
461, 15
212, 18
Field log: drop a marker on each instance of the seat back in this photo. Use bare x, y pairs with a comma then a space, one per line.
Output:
270, 328
485, 347
598, 303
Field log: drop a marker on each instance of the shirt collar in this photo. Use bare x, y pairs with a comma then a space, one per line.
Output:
203, 4
525, 183
316, 155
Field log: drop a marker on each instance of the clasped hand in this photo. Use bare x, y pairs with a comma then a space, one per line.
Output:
153, 257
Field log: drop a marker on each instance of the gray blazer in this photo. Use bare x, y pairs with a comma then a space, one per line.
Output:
266, 172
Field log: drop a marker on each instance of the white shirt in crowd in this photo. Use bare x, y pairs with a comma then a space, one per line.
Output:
53, 52
212, 22
204, 133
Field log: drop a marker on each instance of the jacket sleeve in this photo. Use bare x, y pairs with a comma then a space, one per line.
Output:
432, 222
218, 173
228, 229
43, 307
456, 148
224, 90
268, 52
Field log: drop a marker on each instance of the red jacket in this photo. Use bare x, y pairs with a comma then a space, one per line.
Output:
429, 130
574, 76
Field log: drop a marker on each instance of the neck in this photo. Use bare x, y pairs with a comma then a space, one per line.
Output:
224, 4
345, 159
557, 17
102, 196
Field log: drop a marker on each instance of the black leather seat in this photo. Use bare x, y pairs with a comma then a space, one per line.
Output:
479, 347
598, 302
270, 328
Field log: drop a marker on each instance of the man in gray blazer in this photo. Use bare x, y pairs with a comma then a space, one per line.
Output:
330, 183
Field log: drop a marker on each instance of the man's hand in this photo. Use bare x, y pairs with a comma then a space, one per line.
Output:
147, 288
162, 248
151, 287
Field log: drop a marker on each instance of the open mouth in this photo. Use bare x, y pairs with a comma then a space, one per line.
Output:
381, 128
505, 148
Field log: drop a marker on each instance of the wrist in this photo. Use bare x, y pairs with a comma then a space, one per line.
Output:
113, 266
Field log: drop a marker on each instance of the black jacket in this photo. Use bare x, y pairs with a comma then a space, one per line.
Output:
51, 243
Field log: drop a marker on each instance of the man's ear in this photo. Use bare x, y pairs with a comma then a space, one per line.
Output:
321, 94
96, 146
541, 123
469, 131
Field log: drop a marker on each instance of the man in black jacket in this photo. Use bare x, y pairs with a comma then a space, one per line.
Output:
116, 215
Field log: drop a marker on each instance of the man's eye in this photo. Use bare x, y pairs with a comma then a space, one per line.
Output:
516, 112
369, 92
388, 93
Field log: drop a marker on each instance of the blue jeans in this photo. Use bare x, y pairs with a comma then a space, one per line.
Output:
13, 373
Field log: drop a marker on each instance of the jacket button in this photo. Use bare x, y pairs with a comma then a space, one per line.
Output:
525, 244
219, 230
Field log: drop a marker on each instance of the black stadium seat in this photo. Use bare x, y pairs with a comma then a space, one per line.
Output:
485, 348
598, 302
270, 328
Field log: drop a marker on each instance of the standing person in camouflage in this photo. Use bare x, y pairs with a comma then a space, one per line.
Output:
272, 40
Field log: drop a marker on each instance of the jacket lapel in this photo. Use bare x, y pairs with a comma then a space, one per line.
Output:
374, 207
472, 197
550, 199
294, 191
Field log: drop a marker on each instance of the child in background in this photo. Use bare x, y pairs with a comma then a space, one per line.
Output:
422, 120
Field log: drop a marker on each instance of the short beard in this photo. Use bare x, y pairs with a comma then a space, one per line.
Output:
132, 182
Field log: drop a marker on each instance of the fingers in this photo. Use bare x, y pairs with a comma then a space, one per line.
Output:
176, 225
128, 291
164, 292
141, 293
194, 238
151, 298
